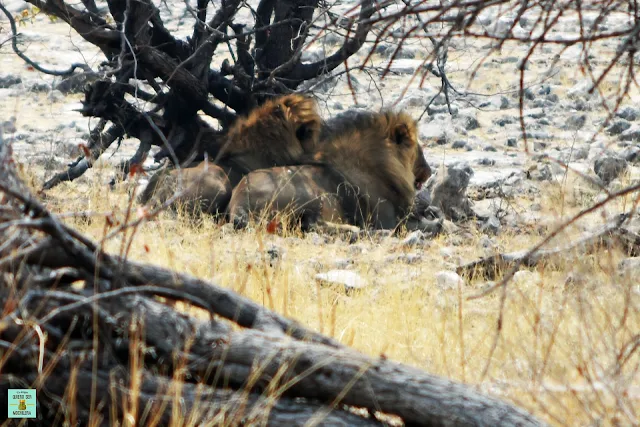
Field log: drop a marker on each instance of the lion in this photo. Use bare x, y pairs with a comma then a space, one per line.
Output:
277, 133
205, 188
364, 172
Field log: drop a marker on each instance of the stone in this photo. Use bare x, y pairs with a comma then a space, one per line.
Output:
9, 126
448, 192
632, 134
631, 154
486, 162
423, 200
628, 113
618, 126
413, 238
528, 94
311, 55
580, 89
609, 168
404, 66
580, 105
491, 226
544, 90
468, 122
512, 142
509, 60
580, 153
539, 146
333, 38
414, 100
442, 140
489, 148
575, 122
384, 49
446, 280
349, 279
440, 100
459, 144
538, 135
40, 87
540, 172
9, 80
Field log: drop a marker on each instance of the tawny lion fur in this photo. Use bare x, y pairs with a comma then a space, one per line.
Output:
365, 171
205, 188
279, 132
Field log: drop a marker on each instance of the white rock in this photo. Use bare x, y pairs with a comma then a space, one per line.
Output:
447, 252
413, 238
580, 89
448, 280
349, 279
524, 276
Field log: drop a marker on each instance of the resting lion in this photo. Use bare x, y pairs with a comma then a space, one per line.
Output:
279, 132
365, 172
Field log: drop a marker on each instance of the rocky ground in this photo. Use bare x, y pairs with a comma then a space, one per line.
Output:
520, 191
563, 121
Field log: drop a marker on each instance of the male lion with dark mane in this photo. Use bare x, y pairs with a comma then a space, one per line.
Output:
277, 133
364, 172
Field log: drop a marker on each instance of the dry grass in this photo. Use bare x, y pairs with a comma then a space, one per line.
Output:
562, 351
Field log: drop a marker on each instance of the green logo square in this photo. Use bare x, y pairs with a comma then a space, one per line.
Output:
22, 403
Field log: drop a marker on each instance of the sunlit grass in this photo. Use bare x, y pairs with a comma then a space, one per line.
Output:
560, 352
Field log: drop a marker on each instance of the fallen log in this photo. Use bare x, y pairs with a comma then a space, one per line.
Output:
608, 235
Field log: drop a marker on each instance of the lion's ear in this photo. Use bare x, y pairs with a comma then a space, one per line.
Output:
401, 134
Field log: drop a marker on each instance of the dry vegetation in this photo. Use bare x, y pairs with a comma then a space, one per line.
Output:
565, 350
568, 348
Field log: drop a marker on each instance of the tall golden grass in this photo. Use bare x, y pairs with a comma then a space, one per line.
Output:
567, 349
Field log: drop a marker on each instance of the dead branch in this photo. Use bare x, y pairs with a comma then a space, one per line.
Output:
613, 234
